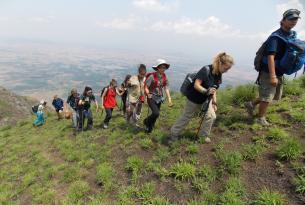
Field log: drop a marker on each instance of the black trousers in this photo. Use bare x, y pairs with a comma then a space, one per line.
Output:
108, 115
155, 112
124, 99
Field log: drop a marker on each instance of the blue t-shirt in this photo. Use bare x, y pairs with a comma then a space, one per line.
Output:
277, 47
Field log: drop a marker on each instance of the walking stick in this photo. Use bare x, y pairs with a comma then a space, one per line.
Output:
205, 110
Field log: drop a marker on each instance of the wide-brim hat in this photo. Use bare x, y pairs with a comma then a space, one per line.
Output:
161, 62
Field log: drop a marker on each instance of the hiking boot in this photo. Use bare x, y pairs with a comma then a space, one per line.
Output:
207, 140
262, 121
250, 108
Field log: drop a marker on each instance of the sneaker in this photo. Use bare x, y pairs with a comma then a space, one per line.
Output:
105, 126
250, 108
207, 140
262, 121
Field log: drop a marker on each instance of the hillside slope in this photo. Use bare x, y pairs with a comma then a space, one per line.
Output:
244, 164
14, 107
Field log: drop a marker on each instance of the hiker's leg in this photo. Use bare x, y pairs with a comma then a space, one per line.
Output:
137, 112
262, 109
208, 121
74, 118
108, 115
155, 108
189, 110
90, 119
129, 111
81, 119
279, 89
124, 100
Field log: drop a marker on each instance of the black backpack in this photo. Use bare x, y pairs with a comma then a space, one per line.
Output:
35, 108
259, 57
188, 81
103, 90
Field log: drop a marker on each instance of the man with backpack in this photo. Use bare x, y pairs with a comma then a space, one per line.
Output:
156, 84
73, 100
282, 53
136, 96
58, 104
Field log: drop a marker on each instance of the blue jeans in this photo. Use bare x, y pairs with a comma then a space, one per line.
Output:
83, 114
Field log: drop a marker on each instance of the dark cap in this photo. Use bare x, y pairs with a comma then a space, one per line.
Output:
291, 14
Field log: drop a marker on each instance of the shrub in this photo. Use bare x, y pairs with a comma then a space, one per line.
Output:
290, 149
266, 197
183, 170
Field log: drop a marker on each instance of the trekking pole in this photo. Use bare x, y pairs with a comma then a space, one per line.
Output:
205, 110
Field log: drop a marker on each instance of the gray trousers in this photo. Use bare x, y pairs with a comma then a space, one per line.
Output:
189, 111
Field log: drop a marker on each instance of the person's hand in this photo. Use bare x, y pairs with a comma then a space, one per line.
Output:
102, 107
211, 91
274, 81
170, 103
149, 95
97, 109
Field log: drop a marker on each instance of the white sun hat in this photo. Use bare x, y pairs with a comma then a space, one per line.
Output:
161, 62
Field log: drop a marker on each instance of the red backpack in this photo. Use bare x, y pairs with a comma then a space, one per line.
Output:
156, 80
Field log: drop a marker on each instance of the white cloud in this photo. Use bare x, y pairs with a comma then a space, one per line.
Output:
294, 4
155, 5
119, 23
212, 26
39, 19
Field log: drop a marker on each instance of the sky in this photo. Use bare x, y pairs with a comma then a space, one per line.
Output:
192, 27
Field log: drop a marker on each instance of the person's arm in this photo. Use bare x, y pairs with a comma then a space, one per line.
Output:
214, 102
271, 66
201, 89
170, 103
118, 92
102, 98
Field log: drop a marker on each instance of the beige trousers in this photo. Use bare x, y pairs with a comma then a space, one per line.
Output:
189, 111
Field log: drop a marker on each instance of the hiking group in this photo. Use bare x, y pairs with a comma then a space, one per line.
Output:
282, 53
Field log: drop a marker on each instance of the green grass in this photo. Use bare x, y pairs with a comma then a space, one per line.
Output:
276, 134
266, 197
134, 164
183, 170
105, 175
290, 149
230, 161
78, 191
252, 151
243, 94
299, 183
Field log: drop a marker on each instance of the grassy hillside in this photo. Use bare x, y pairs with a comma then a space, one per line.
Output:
244, 164
14, 107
